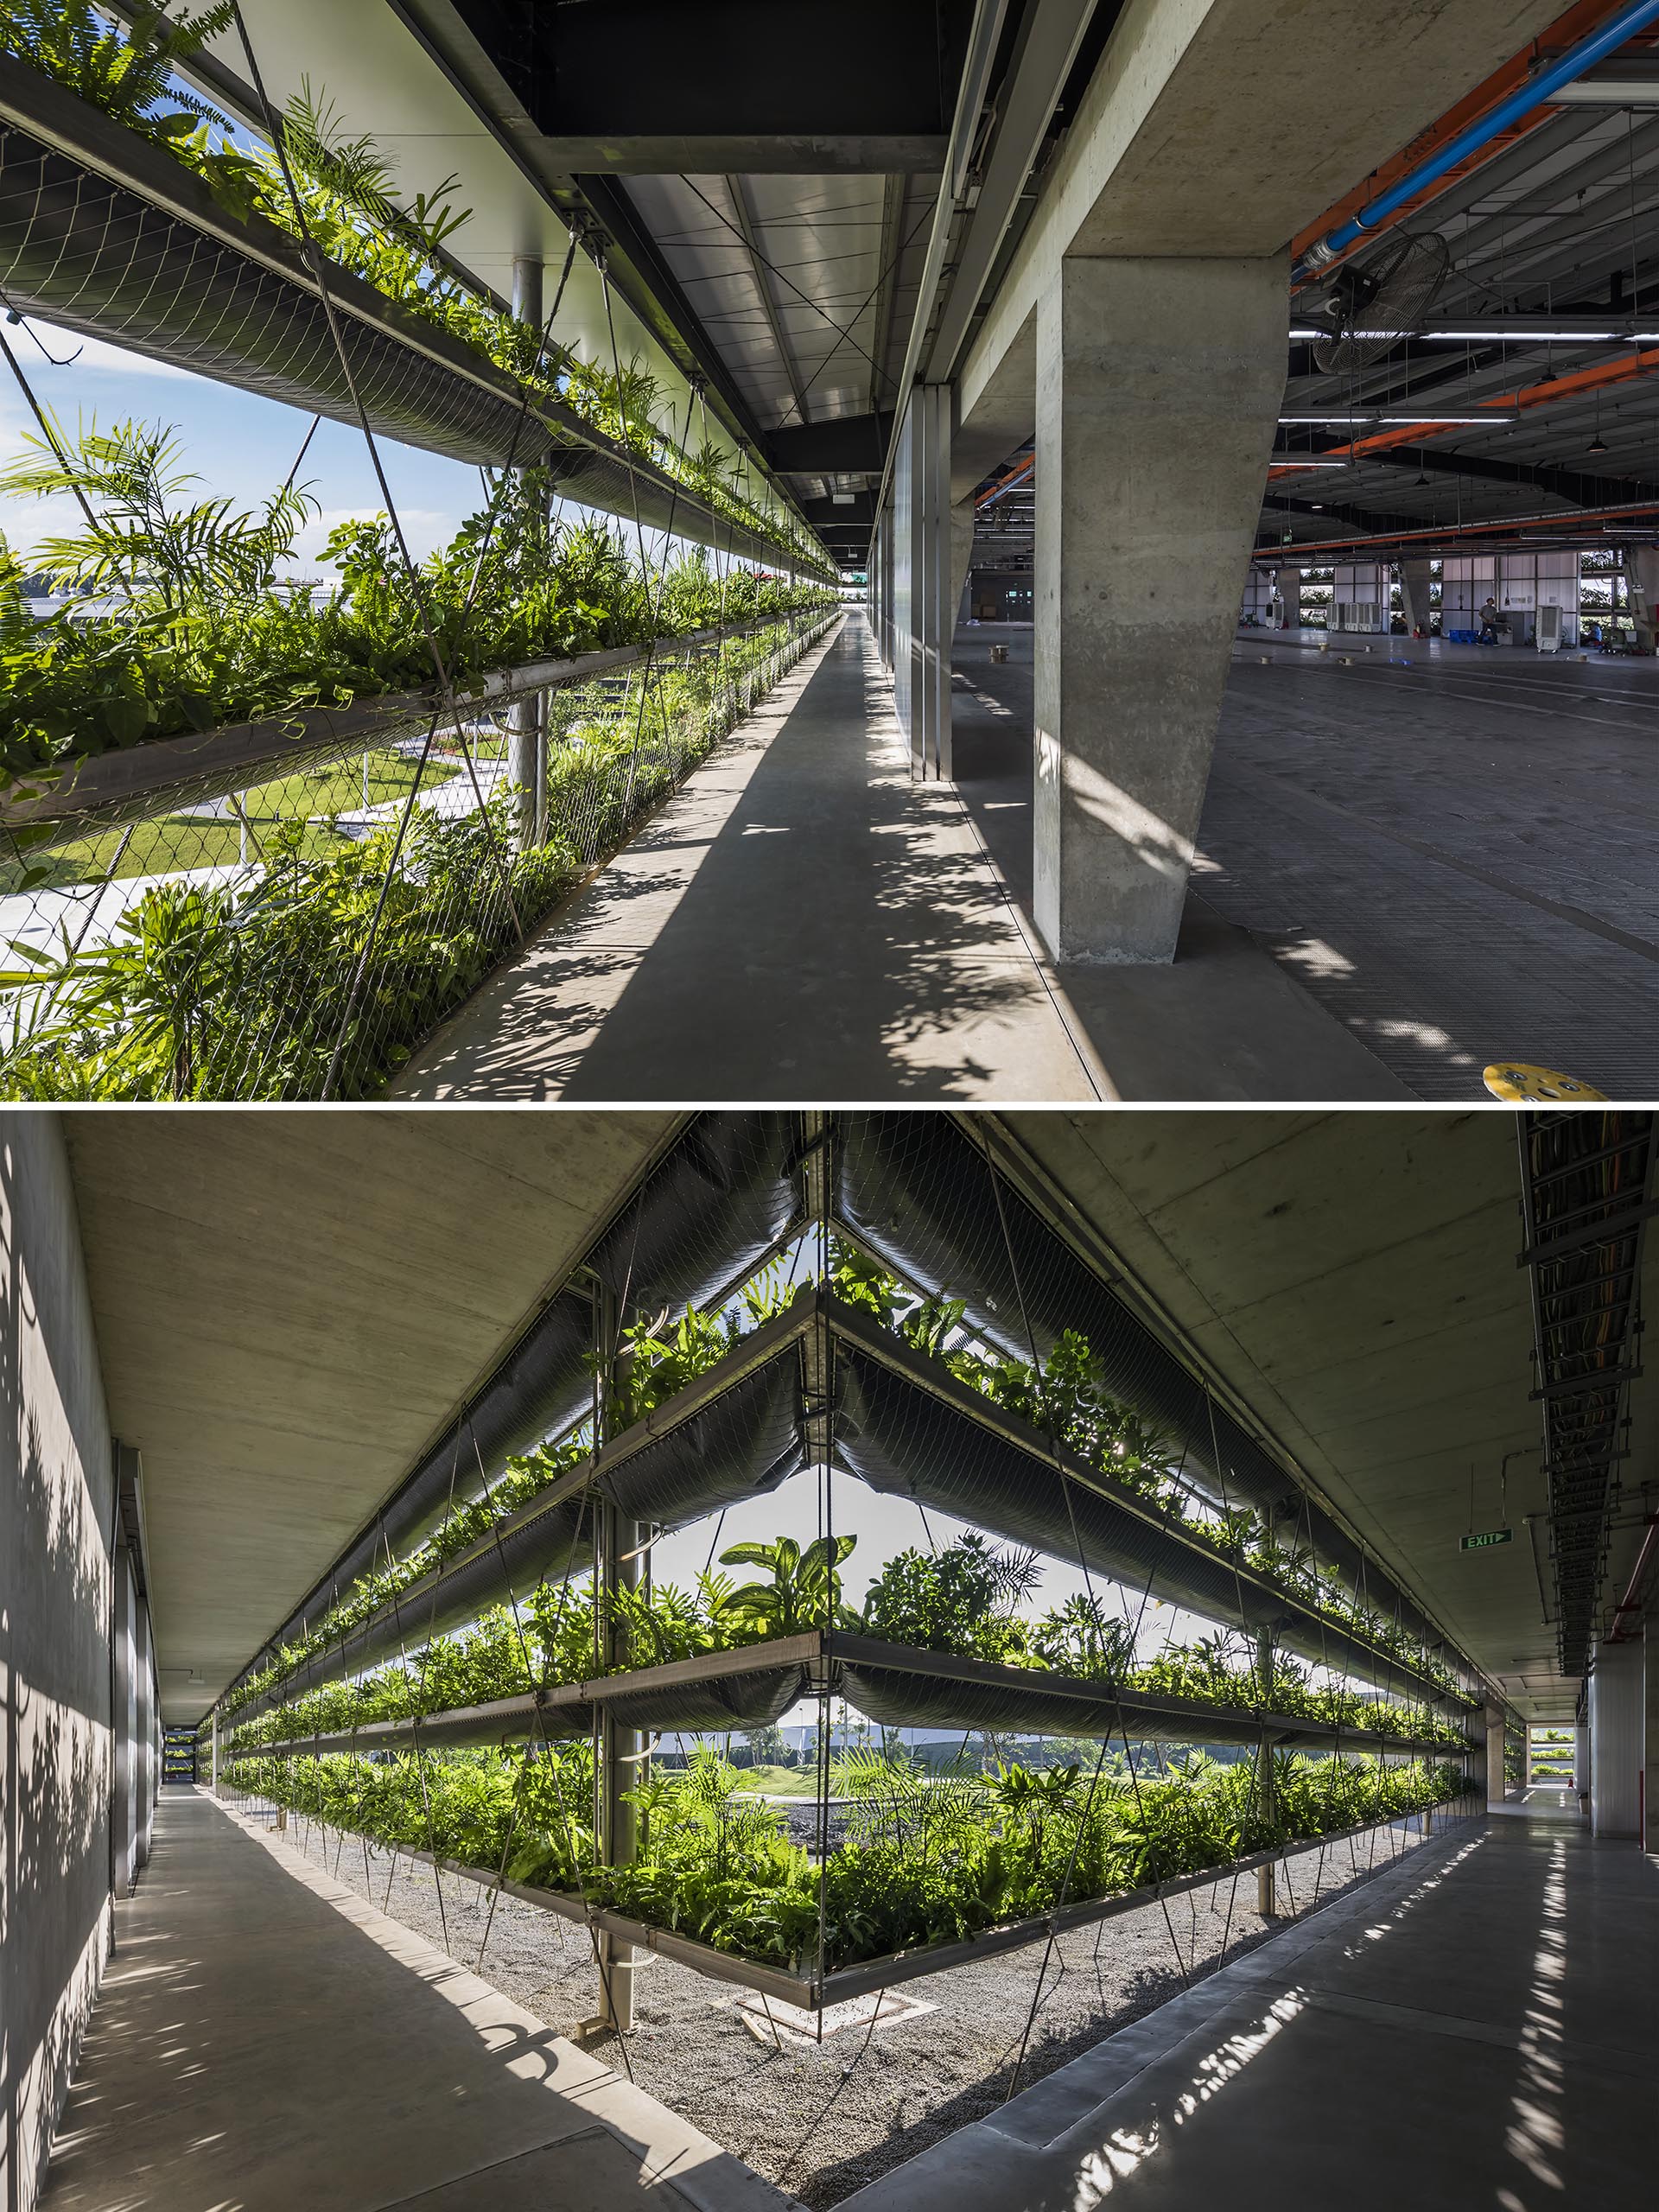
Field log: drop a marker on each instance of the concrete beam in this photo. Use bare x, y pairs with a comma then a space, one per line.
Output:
1221, 128
1143, 544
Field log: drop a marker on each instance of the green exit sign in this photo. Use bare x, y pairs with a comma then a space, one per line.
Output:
1486, 1539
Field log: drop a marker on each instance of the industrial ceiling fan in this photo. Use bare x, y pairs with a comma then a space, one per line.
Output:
1373, 304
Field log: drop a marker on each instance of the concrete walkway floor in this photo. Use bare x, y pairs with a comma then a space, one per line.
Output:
803, 920
266, 2041
799, 920
1474, 2029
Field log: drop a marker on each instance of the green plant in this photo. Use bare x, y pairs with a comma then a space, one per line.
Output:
125, 69
804, 1592
144, 539
961, 1600
1083, 1639
928, 1859
1066, 1398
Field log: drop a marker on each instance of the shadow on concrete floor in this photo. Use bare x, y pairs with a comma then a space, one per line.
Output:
1222, 1020
800, 920
1451, 855
266, 2040
1474, 2030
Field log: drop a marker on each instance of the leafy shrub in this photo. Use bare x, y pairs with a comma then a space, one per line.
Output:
960, 1599
927, 1860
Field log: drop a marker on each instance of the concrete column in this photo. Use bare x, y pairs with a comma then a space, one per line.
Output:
1488, 1756
527, 718
1287, 582
886, 581
1649, 1807
924, 602
123, 1816
146, 1758
1159, 383
1414, 594
962, 518
212, 1762
1642, 578
1618, 1706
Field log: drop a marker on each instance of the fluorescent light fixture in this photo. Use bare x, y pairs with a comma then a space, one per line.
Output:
1535, 337
1361, 420
1496, 333
1606, 91
1307, 460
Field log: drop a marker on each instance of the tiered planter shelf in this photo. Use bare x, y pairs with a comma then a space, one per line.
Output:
824, 1385
916, 1191
902, 1424
893, 1684
810, 1990
102, 790
105, 232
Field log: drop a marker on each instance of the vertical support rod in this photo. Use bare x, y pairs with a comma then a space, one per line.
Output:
619, 1568
527, 718
1490, 1769
213, 1759
1266, 1902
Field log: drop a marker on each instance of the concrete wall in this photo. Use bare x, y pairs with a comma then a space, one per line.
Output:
56, 1516
1617, 1695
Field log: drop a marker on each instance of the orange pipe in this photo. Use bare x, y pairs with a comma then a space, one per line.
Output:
1283, 554
1578, 23
1532, 394
1003, 482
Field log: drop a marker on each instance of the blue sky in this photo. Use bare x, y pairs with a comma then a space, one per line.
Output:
236, 442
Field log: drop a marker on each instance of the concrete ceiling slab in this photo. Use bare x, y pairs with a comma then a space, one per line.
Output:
1351, 1277
291, 1305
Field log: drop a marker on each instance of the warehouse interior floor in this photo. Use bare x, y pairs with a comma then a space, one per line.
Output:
1447, 849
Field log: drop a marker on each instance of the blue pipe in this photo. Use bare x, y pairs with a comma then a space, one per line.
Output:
1535, 93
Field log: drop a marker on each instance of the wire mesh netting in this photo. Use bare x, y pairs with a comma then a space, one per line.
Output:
105, 233
924, 1196
296, 936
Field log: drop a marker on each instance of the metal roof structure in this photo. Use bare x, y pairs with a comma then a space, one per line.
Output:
762, 184
1548, 318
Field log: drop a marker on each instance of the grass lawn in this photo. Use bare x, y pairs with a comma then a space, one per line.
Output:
777, 1781
172, 843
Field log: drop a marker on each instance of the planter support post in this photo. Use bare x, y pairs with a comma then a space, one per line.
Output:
620, 1766
1266, 1904
527, 717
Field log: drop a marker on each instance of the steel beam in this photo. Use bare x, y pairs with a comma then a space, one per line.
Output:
848, 445
1049, 37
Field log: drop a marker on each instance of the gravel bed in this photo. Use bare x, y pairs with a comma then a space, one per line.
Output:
821, 2121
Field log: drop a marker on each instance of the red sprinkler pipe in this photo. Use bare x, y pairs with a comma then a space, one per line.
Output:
1629, 1603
